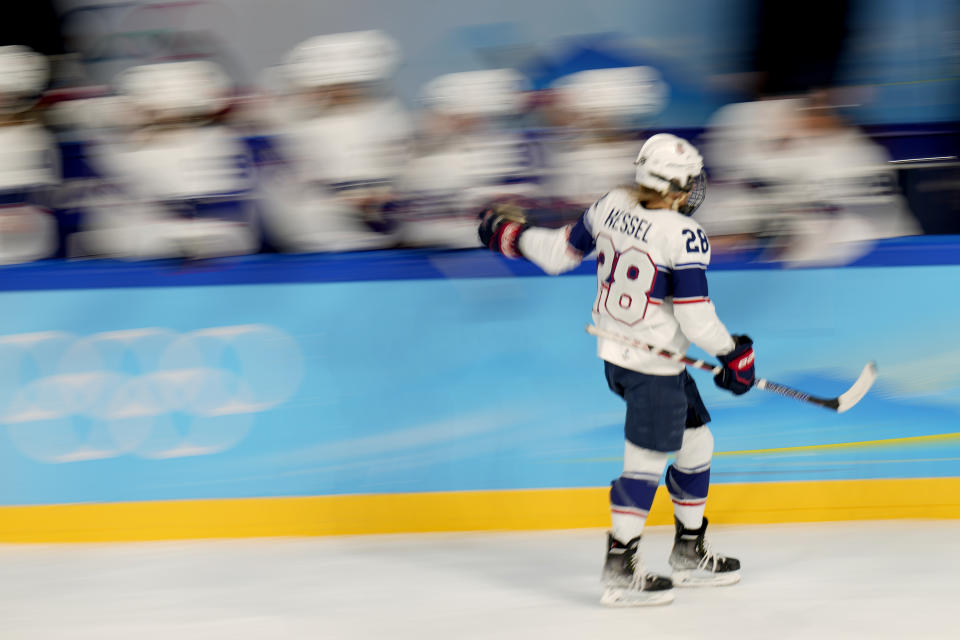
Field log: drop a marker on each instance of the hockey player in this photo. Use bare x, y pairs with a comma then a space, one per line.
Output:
598, 113
472, 152
29, 160
652, 287
342, 139
800, 181
179, 181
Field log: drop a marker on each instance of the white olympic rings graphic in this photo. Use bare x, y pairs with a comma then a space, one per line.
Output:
151, 392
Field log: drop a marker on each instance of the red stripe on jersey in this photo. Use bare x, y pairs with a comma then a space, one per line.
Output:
572, 250
690, 300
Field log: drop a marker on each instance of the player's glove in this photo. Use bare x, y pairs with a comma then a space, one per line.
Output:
738, 371
501, 226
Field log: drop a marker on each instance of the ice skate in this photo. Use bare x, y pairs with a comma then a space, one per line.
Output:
626, 584
696, 565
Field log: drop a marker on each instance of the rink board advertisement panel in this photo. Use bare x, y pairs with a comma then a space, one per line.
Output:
444, 396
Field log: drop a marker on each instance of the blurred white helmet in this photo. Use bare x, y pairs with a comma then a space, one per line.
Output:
341, 58
101, 112
23, 75
490, 93
668, 164
615, 93
743, 140
176, 89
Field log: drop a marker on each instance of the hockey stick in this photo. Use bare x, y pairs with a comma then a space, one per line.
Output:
841, 403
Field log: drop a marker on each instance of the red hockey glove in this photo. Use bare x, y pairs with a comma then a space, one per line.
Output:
738, 371
500, 229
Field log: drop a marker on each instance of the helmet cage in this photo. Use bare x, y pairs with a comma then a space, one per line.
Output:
697, 188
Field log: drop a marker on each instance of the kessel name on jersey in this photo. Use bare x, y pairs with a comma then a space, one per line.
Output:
627, 223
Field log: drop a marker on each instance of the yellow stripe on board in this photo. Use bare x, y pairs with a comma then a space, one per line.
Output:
938, 438
862, 444
468, 511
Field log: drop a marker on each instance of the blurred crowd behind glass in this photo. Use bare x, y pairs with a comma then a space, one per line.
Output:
195, 130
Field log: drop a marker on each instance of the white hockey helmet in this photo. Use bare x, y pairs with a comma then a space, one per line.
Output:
616, 94
668, 164
23, 76
341, 58
488, 93
176, 89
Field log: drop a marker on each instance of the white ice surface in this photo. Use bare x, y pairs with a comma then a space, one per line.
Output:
896, 579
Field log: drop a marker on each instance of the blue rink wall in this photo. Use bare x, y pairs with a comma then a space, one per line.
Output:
383, 392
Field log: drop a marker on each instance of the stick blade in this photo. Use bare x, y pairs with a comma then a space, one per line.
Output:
855, 393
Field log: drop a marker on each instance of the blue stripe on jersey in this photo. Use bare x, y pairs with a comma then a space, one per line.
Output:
662, 285
689, 283
19, 196
227, 206
580, 237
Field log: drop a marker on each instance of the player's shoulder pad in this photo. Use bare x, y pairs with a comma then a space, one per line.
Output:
620, 196
617, 198
686, 222
690, 242
675, 221
593, 211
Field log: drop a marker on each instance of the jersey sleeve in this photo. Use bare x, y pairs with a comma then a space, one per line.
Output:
692, 307
559, 250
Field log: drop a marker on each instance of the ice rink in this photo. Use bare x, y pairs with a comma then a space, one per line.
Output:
892, 579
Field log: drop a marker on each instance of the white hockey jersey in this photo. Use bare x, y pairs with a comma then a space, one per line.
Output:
365, 144
447, 187
176, 193
29, 161
579, 173
651, 279
28, 158
180, 164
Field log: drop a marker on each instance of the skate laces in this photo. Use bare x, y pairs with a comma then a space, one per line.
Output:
640, 576
710, 559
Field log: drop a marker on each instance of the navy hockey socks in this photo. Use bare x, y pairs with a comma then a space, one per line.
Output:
631, 496
688, 490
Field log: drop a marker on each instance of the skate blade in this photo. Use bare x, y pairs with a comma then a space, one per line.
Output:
618, 597
704, 578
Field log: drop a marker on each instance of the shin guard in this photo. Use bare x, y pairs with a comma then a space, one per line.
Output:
631, 496
688, 490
